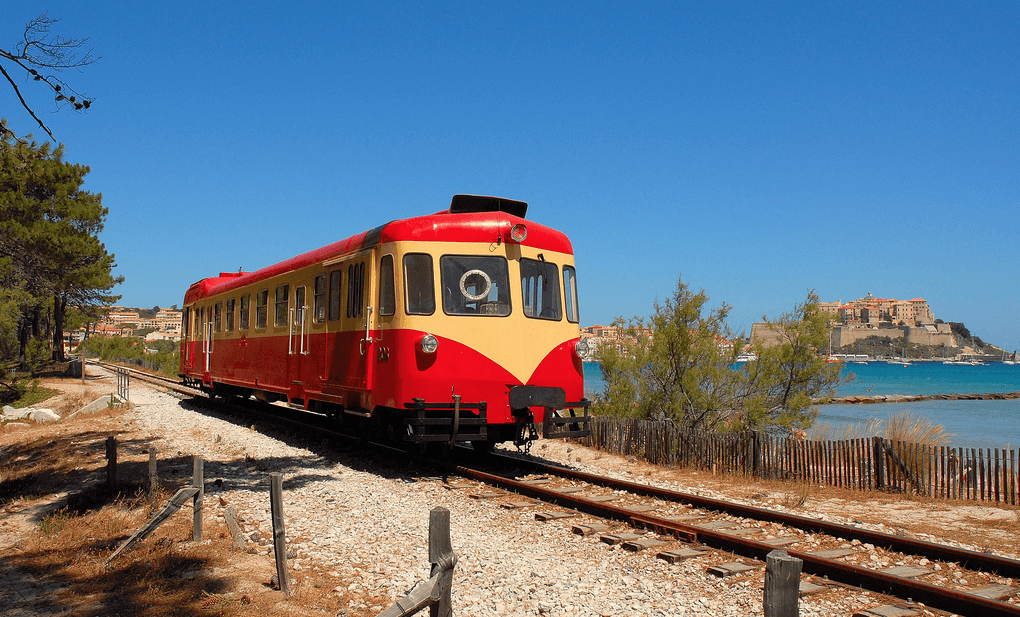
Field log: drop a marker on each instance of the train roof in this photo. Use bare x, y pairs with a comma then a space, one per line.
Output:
471, 218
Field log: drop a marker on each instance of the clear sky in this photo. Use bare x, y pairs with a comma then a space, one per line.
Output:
757, 149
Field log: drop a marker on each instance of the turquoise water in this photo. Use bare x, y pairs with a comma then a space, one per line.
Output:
974, 424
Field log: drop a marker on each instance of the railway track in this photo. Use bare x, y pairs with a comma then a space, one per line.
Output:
940, 576
692, 522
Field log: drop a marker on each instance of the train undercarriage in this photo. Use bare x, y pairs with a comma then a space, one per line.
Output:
423, 423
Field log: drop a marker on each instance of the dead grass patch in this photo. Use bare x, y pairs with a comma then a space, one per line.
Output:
166, 574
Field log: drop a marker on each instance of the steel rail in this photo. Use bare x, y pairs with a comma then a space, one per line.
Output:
974, 560
942, 598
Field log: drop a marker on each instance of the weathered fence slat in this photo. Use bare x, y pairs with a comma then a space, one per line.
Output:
198, 481
782, 584
279, 532
175, 504
153, 476
437, 591
111, 463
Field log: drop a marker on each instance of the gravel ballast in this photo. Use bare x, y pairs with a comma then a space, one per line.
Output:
364, 520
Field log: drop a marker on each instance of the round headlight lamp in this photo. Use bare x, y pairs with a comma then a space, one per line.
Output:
429, 344
518, 233
581, 348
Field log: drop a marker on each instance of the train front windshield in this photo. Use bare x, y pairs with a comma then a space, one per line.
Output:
475, 285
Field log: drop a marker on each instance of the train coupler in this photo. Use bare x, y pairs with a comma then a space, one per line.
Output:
451, 422
555, 425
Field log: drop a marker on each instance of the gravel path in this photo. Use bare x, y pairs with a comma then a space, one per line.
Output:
353, 516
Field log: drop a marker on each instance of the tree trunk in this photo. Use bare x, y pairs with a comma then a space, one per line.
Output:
24, 335
59, 306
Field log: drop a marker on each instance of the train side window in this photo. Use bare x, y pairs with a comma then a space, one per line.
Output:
217, 316
419, 285
335, 288
355, 289
229, 323
319, 303
282, 298
186, 321
245, 309
261, 309
541, 289
299, 305
475, 285
200, 325
570, 294
387, 294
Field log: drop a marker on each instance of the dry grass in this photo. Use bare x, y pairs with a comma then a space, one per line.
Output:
796, 494
903, 426
909, 428
166, 574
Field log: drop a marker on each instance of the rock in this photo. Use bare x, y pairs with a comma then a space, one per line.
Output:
11, 413
44, 416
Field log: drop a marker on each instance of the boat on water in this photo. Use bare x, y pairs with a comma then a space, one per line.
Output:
746, 357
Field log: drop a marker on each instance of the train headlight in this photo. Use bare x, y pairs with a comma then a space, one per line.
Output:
518, 233
581, 348
429, 344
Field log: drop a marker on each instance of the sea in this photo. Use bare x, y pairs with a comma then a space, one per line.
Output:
972, 424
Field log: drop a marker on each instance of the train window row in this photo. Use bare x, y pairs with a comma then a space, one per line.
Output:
470, 285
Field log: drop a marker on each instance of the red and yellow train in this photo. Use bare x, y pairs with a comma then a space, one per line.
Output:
461, 326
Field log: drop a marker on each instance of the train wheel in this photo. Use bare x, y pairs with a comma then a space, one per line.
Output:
484, 447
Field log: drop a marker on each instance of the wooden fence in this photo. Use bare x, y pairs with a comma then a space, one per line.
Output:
978, 474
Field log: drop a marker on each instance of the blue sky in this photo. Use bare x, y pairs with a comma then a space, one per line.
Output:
757, 150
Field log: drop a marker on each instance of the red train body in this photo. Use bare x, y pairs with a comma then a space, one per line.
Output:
459, 326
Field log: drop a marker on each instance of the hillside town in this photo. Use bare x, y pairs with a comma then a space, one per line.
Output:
155, 324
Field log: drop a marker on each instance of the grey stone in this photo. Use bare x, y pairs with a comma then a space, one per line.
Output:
44, 416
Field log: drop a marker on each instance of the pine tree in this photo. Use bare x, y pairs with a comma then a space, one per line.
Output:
49, 240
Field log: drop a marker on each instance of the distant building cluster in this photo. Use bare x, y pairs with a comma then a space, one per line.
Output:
910, 320
871, 311
120, 321
600, 337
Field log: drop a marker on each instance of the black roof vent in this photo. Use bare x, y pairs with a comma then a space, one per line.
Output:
478, 203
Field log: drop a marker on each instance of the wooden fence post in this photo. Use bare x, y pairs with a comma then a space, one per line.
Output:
437, 591
111, 463
756, 454
153, 476
442, 558
879, 470
782, 584
279, 533
198, 481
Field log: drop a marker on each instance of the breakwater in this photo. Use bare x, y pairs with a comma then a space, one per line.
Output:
858, 399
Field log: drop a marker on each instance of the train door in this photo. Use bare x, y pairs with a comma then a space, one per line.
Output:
298, 347
202, 340
357, 322
209, 335
187, 342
